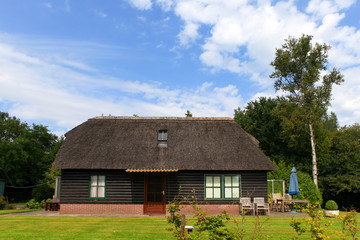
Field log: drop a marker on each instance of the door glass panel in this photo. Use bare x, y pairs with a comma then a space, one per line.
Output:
154, 189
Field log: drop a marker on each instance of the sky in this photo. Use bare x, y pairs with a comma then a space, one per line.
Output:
65, 61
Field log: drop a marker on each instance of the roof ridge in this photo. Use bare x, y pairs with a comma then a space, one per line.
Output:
164, 118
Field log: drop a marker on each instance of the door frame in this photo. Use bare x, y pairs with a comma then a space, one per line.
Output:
154, 208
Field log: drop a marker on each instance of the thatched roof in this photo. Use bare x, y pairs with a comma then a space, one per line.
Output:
132, 143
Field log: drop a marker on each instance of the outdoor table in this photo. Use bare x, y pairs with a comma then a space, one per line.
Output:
282, 202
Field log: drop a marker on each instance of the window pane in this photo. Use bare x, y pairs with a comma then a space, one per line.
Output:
228, 193
101, 181
217, 181
217, 193
235, 192
235, 181
209, 193
209, 181
93, 192
101, 192
94, 180
227, 181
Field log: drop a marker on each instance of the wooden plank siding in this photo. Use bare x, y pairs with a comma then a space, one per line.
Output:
128, 188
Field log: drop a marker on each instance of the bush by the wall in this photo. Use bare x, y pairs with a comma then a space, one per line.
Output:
33, 204
3, 202
331, 205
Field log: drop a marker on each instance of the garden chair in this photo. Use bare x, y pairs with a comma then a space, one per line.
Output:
275, 197
287, 205
246, 204
260, 204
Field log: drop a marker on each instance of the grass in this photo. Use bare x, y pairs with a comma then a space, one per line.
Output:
8, 211
129, 228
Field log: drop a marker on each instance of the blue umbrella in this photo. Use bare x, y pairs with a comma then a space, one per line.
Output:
294, 186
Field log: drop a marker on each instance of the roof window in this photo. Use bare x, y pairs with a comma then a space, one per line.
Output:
162, 138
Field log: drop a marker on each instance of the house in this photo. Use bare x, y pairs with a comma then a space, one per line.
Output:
136, 165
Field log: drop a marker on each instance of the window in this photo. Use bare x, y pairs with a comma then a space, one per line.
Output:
232, 186
97, 187
222, 186
162, 138
213, 187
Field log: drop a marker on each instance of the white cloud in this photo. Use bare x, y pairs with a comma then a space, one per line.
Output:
189, 33
165, 4
141, 4
55, 93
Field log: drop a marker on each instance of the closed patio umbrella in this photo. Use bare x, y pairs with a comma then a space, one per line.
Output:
294, 186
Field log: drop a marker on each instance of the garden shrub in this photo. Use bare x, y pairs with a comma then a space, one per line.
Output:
3, 202
331, 205
308, 189
33, 204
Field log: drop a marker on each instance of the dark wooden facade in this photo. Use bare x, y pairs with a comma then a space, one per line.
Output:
128, 188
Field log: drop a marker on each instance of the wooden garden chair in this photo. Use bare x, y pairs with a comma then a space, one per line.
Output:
260, 204
246, 204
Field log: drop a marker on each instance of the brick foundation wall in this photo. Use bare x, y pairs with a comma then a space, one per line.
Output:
137, 209
107, 209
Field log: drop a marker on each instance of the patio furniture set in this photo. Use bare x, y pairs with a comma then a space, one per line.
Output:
256, 206
286, 203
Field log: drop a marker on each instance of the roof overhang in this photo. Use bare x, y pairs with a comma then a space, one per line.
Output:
150, 170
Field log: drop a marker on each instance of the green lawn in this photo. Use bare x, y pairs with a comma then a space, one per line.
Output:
2, 212
125, 228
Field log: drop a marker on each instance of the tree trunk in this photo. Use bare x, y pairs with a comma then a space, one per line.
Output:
313, 151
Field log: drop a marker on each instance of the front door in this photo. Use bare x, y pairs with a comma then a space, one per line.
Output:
154, 194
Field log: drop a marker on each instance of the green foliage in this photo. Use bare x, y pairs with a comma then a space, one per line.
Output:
188, 113
349, 223
331, 205
316, 228
33, 204
3, 202
25, 151
298, 226
308, 189
259, 119
42, 192
298, 65
298, 68
342, 179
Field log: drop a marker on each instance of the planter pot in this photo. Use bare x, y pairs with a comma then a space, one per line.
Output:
331, 213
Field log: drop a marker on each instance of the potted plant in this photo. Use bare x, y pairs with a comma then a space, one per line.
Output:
331, 209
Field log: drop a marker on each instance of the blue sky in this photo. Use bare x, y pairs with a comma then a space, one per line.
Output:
64, 61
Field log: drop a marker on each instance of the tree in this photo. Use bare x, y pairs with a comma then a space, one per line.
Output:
299, 66
26, 152
188, 113
258, 119
342, 176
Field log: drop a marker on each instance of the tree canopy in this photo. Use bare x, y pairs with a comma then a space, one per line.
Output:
301, 71
26, 152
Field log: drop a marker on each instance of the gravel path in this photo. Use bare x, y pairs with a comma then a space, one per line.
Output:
43, 213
